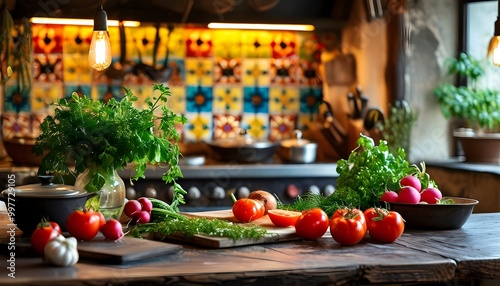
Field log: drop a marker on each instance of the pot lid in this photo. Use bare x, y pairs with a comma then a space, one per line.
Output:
46, 189
297, 141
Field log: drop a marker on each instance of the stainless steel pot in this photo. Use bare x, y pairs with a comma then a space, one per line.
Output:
29, 204
298, 150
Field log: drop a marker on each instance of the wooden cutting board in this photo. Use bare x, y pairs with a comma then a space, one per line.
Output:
100, 250
127, 249
275, 234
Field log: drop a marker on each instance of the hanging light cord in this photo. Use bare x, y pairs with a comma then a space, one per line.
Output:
100, 19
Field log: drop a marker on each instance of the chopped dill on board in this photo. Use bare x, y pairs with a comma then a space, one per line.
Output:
193, 226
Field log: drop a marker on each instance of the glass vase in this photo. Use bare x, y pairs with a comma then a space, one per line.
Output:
110, 198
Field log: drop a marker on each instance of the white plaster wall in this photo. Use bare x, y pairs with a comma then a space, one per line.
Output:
435, 30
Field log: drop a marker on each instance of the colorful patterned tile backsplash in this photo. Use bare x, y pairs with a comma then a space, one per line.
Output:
266, 82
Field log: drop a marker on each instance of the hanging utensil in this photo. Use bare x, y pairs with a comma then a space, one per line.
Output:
166, 71
120, 68
140, 68
341, 70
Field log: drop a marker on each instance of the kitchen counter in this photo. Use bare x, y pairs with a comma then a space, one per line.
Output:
453, 256
456, 178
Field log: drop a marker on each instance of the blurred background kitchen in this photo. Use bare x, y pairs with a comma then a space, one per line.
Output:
364, 62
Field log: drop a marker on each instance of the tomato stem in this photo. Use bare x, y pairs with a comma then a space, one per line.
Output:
233, 198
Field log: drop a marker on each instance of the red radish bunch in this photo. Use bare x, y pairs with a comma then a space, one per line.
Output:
139, 210
411, 192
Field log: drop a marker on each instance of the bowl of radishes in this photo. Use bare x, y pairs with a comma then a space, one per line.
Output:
426, 207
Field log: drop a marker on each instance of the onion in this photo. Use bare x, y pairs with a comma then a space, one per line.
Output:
266, 198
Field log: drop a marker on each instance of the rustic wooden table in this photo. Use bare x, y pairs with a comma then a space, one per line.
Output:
448, 257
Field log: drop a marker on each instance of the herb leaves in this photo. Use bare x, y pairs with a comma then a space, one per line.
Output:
368, 172
84, 132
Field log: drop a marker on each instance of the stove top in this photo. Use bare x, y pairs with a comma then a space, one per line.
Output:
269, 169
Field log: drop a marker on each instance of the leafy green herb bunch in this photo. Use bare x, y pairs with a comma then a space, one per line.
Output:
86, 133
369, 171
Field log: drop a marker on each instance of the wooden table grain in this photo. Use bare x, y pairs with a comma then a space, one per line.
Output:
472, 252
475, 247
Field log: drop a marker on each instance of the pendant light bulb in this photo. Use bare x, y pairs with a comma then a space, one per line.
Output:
494, 46
100, 48
494, 50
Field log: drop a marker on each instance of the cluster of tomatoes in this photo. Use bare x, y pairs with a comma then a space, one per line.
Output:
347, 226
411, 192
82, 224
85, 224
350, 226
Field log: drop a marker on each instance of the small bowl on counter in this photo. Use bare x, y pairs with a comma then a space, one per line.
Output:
436, 216
27, 205
19, 150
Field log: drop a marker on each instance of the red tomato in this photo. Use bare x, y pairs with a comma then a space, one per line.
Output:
283, 218
44, 232
312, 224
102, 219
355, 214
246, 210
348, 226
83, 224
384, 225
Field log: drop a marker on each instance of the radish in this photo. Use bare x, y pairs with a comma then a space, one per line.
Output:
146, 204
431, 195
131, 207
411, 181
389, 196
409, 195
112, 230
141, 217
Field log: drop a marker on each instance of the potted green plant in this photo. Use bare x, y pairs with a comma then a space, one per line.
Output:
396, 128
476, 108
90, 140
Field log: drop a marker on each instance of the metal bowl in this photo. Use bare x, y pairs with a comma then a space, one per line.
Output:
27, 205
436, 216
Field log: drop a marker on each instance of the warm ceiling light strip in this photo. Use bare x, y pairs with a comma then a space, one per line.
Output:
248, 26
80, 22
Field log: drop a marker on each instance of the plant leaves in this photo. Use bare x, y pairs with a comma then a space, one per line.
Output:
84, 132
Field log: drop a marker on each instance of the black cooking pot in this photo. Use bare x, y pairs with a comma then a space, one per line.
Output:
27, 205
242, 151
